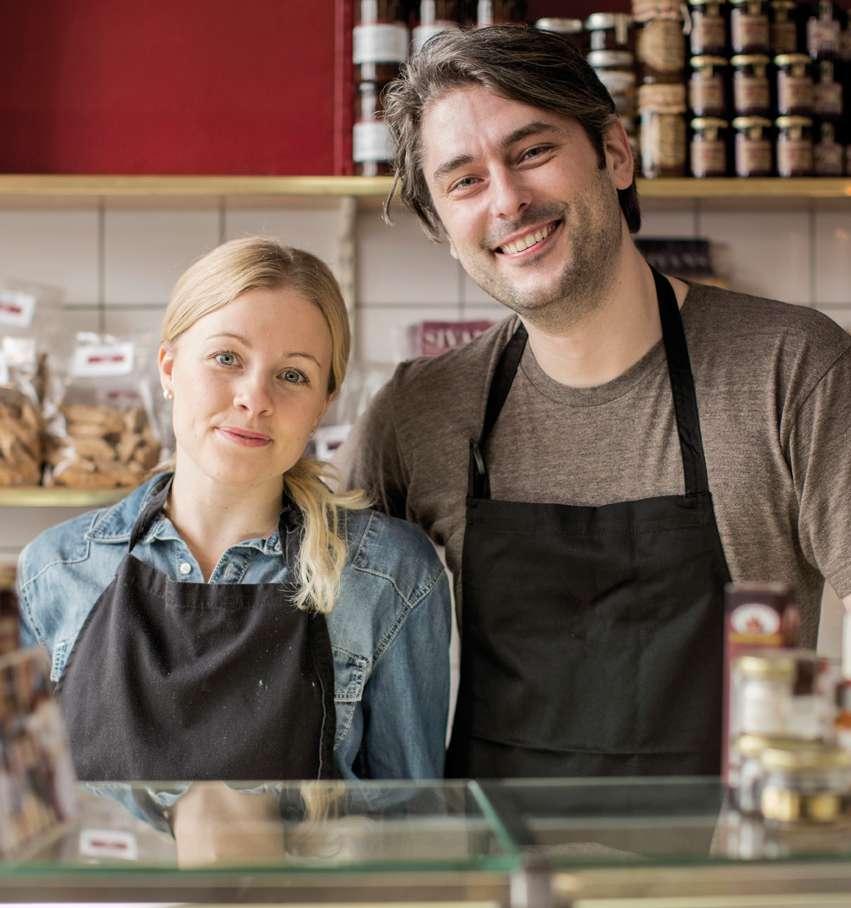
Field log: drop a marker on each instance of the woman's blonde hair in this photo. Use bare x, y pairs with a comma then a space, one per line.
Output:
217, 279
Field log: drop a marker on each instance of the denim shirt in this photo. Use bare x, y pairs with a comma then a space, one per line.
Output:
389, 628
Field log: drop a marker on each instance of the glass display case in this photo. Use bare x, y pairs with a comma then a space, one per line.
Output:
527, 843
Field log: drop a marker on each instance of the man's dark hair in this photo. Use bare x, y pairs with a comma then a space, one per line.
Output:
541, 69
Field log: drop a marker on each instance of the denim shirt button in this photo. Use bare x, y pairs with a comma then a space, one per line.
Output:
185, 568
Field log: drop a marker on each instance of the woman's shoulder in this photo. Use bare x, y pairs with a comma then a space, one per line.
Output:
393, 549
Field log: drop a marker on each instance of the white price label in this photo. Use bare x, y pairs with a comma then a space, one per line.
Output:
379, 44
102, 359
372, 142
16, 308
108, 843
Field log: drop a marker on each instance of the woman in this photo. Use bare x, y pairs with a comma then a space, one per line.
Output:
236, 619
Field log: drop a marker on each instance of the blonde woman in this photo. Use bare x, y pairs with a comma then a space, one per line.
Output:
233, 618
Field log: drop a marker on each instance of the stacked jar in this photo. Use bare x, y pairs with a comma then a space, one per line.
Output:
379, 48
500, 12
826, 47
611, 54
435, 16
571, 29
660, 56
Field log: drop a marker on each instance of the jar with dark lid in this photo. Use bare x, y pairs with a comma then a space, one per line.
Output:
708, 27
706, 86
783, 27
660, 42
372, 144
753, 152
751, 91
708, 147
828, 153
663, 130
749, 31
500, 12
615, 69
379, 40
827, 92
435, 16
794, 85
10, 621
824, 31
572, 29
609, 31
794, 146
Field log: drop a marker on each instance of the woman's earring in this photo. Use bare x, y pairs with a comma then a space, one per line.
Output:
168, 395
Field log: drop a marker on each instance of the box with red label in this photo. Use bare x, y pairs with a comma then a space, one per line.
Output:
430, 338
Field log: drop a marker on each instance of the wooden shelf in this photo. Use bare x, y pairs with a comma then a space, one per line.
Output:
41, 497
45, 186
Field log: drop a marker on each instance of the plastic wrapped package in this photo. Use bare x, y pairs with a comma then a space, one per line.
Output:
102, 434
21, 425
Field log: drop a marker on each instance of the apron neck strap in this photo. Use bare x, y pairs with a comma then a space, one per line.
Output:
153, 506
682, 391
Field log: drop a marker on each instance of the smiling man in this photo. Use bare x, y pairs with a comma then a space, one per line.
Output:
599, 464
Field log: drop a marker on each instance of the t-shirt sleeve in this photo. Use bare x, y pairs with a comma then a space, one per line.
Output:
371, 460
820, 456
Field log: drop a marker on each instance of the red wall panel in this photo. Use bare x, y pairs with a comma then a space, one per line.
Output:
190, 86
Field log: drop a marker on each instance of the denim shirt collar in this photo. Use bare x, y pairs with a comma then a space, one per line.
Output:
114, 525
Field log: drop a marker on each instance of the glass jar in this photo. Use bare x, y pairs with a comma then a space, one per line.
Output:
616, 70
609, 31
761, 687
708, 33
827, 92
572, 29
794, 84
804, 785
749, 31
794, 146
824, 31
9, 614
751, 91
783, 29
372, 144
745, 772
379, 40
500, 12
436, 16
660, 43
708, 147
706, 86
663, 130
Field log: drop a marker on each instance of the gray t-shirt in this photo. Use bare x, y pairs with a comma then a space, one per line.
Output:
773, 387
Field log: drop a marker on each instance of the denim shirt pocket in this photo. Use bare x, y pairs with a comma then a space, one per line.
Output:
350, 674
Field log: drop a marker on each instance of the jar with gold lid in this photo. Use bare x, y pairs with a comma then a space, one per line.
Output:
609, 31
803, 784
615, 69
745, 772
827, 92
794, 146
751, 89
708, 147
663, 130
660, 41
708, 34
749, 28
706, 87
435, 17
379, 40
783, 27
9, 613
794, 84
572, 29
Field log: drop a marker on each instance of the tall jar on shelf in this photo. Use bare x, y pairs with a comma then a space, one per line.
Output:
434, 17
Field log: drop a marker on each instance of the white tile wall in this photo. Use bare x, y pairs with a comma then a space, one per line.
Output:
115, 264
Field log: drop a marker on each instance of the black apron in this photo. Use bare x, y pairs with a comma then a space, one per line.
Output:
171, 680
592, 636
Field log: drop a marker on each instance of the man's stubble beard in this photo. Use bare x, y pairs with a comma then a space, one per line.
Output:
582, 286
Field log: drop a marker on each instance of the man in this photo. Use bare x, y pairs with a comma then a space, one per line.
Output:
601, 463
